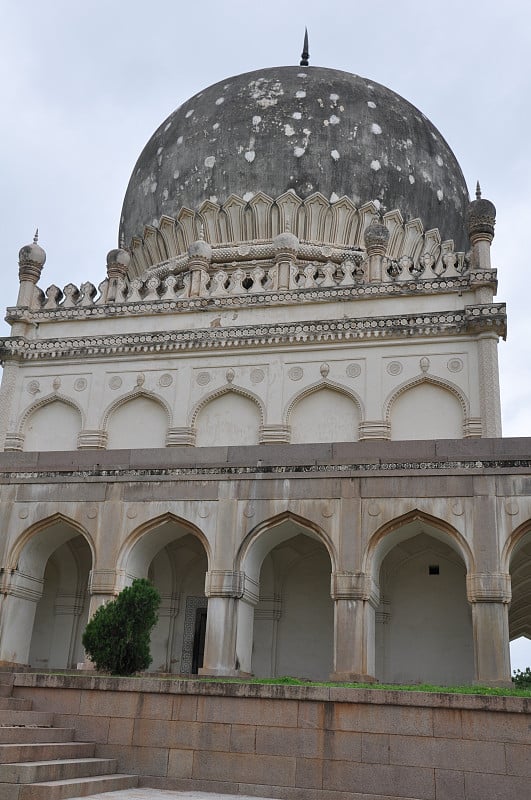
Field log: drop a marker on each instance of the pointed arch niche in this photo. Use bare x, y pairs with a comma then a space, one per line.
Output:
52, 424
291, 627
229, 417
324, 413
47, 605
173, 554
424, 621
137, 421
426, 409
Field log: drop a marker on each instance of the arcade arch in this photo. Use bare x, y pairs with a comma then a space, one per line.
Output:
174, 555
47, 603
518, 555
424, 620
288, 617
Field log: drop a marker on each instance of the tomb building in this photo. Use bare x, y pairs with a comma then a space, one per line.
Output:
280, 403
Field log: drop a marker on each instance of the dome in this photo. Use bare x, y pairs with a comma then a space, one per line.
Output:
308, 129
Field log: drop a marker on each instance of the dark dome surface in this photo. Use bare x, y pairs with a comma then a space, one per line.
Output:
303, 128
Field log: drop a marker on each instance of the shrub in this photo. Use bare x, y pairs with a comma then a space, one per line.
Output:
116, 639
522, 678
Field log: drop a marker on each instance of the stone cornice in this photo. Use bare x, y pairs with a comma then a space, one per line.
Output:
362, 291
472, 319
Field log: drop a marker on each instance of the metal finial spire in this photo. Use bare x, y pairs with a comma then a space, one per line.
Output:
36, 237
305, 55
478, 191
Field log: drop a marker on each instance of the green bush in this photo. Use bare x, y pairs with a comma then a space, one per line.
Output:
116, 639
522, 678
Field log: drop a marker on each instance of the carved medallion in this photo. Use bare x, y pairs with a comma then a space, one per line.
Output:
33, 387
80, 384
353, 370
115, 382
295, 373
257, 375
203, 378
165, 380
455, 365
394, 368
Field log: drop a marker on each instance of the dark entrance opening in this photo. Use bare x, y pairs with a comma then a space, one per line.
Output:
199, 639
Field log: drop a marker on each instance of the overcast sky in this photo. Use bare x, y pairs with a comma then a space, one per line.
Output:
84, 85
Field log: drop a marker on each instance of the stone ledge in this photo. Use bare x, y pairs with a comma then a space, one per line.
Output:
338, 694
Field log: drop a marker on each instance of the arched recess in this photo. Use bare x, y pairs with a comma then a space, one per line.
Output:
138, 420
287, 563
174, 554
424, 621
426, 408
46, 608
324, 412
52, 423
230, 416
516, 559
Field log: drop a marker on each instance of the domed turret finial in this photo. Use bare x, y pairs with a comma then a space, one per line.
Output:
31, 260
305, 55
480, 221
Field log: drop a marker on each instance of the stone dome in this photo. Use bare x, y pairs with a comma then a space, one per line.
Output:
308, 129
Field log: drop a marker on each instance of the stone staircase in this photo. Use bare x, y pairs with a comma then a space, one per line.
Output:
40, 762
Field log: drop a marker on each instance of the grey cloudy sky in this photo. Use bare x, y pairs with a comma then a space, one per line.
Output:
84, 85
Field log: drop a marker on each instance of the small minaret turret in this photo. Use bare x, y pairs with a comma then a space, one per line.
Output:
31, 259
376, 238
481, 219
118, 261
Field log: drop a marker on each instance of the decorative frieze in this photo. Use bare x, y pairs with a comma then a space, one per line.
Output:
490, 318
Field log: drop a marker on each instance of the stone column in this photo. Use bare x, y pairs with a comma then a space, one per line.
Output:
490, 595
356, 598
224, 589
21, 595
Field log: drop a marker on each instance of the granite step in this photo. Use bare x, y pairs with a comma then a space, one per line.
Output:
62, 789
31, 734
6, 687
13, 753
56, 770
11, 717
15, 704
